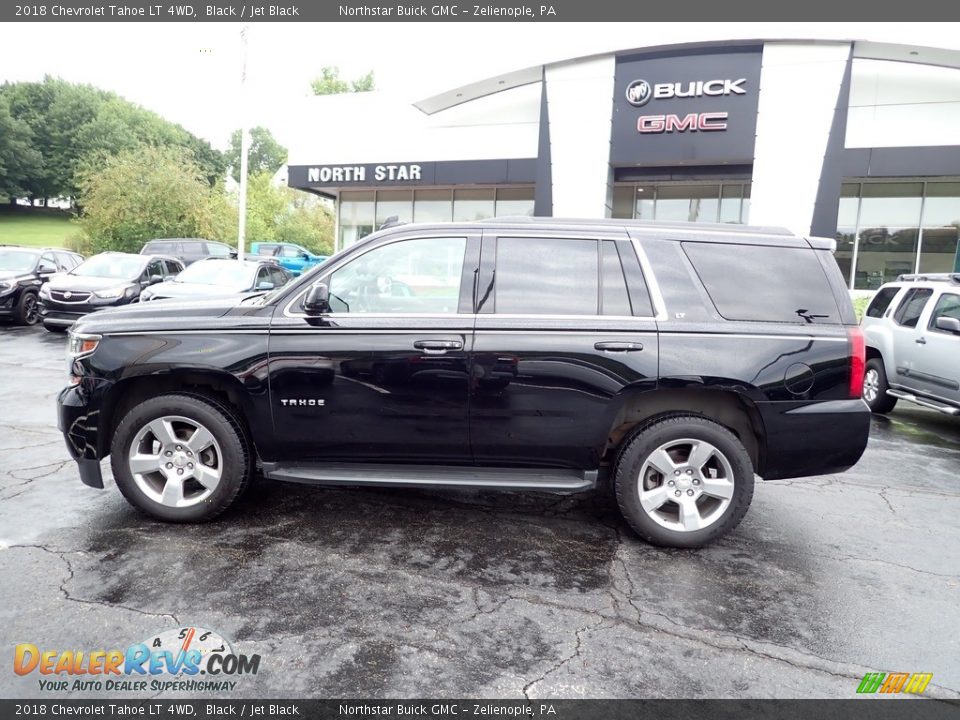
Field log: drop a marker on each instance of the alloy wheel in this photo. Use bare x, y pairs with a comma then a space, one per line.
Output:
871, 385
175, 461
686, 485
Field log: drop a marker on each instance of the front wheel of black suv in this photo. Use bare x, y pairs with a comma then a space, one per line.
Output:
875, 388
683, 482
27, 311
180, 457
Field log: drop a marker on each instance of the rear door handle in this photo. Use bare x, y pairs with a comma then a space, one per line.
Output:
619, 346
921, 341
437, 347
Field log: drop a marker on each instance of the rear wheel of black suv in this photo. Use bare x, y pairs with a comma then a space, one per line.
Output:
875, 388
180, 457
683, 482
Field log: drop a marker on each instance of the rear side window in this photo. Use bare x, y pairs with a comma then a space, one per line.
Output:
761, 283
172, 267
160, 248
266, 250
218, 250
881, 301
912, 306
546, 276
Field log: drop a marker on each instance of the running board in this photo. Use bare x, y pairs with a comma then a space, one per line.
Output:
442, 476
948, 409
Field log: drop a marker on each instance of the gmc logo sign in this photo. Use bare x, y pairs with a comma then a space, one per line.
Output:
694, 122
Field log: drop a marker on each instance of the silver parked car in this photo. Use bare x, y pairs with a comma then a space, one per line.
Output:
912, 334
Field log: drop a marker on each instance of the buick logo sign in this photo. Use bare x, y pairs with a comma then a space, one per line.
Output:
68, 295
639, 93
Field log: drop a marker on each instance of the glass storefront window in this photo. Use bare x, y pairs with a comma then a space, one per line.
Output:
471, 205
514, 201
394, 203
356, 216
430, 206
899, 227
721, 202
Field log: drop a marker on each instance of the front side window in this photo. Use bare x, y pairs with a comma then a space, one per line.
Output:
410, 276
947, 306
547, 276
47, 264
912, 306
290, 251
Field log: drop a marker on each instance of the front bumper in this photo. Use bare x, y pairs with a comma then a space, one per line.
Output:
79, 424
819, 438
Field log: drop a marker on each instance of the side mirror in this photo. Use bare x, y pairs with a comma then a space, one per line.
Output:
169, 278
304, 256
154, 279
265, 285
317, 301
951, 325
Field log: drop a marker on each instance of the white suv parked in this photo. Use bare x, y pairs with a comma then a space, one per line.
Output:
912, 333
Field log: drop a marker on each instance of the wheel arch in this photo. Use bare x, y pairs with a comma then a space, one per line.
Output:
216, 385
734, 411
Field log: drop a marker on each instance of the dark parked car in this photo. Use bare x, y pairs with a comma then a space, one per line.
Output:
216, 277
188, 250
674, 361
22, 271
106, 280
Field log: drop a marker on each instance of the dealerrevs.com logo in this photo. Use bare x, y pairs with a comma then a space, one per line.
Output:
191, 659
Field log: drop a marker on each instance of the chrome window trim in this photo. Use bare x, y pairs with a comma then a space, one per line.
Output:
656, 296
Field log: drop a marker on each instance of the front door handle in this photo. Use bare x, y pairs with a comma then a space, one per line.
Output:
618, 346
921, 341
437, 347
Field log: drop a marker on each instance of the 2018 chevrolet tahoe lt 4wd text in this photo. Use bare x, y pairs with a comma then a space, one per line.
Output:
674, 361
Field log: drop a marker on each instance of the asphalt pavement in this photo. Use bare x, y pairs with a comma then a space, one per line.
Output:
412, 593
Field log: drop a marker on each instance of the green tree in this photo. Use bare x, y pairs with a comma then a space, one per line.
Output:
266, 154
147, 192
330, 82
19, 161
283, 214
70, 123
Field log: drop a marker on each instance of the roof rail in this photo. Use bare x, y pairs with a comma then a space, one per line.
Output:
930, 277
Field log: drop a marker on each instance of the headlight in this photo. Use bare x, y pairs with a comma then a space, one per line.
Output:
45, 290
5, 287
112, 292
81, 345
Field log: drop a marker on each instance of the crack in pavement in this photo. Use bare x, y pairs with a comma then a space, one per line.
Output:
27, 481
576, 653
62, 554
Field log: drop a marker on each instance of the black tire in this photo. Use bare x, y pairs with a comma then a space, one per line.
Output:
27, 312
875, 388
235, 462
55, 328
671, 432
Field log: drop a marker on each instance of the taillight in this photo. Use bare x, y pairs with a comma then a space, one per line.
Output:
858, 360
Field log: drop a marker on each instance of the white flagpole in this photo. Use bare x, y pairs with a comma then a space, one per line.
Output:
244, 150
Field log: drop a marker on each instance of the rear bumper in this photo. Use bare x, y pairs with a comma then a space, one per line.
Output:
813, 438
79, 424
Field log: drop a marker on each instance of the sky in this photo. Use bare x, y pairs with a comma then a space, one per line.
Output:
190, 72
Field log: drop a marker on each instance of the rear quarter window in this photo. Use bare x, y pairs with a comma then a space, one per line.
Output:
762, 283
881, 301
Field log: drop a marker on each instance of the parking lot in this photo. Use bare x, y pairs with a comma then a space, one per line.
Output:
400, 593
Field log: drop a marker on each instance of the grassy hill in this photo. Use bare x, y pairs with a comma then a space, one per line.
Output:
35, 229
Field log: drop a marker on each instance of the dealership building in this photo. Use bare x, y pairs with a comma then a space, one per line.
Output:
854, 140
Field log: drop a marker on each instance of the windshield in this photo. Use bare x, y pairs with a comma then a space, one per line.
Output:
17, 260
224, 273
122, 267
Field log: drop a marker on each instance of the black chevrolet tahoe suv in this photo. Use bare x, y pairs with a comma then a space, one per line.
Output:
673, 361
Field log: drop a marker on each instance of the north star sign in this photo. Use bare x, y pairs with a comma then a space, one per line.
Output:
362, 173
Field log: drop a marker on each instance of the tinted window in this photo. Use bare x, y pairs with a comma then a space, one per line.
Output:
161, 248
154, 268
47, 263
279, 276
172, 266
911, 306
263, 276
881, 301
409, 276
546, 276
266, 250
761, 283
947, 306
218, 250
289, 251
614, 297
